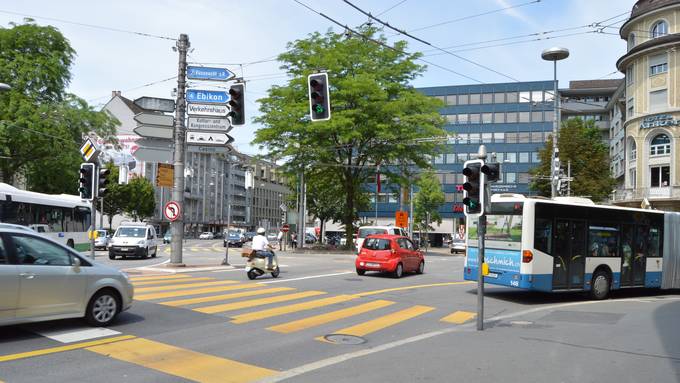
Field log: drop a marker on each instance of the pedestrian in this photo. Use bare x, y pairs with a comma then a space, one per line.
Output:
293, 239
279, 238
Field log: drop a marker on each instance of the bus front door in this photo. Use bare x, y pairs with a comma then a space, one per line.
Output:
569, 254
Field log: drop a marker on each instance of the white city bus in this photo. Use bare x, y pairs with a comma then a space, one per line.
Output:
571, 244
62, 217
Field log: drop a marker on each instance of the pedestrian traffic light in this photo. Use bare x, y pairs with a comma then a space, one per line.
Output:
103, 182
237, 104
473, 188
86, 185
492, 170
319, 97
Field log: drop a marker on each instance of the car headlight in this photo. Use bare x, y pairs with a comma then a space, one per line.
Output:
142, 242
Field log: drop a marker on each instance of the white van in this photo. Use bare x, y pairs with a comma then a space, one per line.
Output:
136, 239
365, 231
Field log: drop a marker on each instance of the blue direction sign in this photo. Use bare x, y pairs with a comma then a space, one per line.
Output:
207, 73
207, 96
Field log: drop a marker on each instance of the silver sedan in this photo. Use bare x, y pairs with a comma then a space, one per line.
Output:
41, 279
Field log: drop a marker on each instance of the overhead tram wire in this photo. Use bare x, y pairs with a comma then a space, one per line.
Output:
429, 44
111, 29
138, 87
385, 11
384, 44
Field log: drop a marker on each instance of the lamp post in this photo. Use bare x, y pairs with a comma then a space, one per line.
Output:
555, 54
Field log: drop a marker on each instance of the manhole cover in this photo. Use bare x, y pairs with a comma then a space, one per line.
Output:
344, 339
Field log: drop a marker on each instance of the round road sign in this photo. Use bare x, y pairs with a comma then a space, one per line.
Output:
285, 228
172, 211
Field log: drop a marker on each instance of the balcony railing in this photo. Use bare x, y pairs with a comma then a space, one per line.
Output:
653, 193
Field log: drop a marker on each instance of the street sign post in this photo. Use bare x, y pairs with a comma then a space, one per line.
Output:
207, 110
172, 211
207, 96
209, 73
208, 138
147, 118
209, 123
154, 155
89, 150
157, 104
154, 131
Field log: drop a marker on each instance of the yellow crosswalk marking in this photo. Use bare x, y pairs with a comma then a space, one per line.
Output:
52, 350
159, 277
205, 290
187, 364
382, 291
276, 311
459, 317
382, 322
181, 280
259, 302
318, 320
182, 287
195, 249
224, 297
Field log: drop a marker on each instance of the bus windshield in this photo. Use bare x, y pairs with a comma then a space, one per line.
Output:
503, 227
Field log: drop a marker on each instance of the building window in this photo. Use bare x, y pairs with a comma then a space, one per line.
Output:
462, 157
524, 137
499, 98
549, 96
524, 96
451, 158
537, 116
511, 117
474, 138
511, 157
632, 175
487, 138
499, 137
534, 157
463, 118
523, 178
537, 96
630, 75
474, 118
658, 100
474, 99
659, 29
658, 64
631, 41
511, 97
487, 118
524, 116
661, 176
462, 99
487, 98
633, 151
631, 108
524, 157
499, 117
536, 136
660, 145
549, 115
510, 178
511, 138
439, 159
451, 100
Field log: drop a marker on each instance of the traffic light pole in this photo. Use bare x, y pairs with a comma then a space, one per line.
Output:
481, 232
177, 227
93, 220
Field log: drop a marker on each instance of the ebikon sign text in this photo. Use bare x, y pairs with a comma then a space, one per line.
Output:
207, 96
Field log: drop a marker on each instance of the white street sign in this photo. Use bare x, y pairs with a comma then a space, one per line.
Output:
209, 149
153, 155
207, 110
154, 131
209, 123
146, 118
208, 138
153, 103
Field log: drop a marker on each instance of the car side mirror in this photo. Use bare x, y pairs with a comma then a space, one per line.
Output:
76, 263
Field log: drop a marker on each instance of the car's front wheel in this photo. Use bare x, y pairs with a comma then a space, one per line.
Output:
111, 256
361, 272
421, 267
103, 308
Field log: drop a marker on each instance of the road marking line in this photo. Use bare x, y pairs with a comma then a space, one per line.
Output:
308, 277
187, 364
195, 249
375, 292
182, 287
254, 303
369, 327
52, 350
459, 317
181, 280
317, 320
205, 290
213, 298
276, 311
159, 277
70, 335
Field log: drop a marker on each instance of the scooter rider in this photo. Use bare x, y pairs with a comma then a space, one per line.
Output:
262, 246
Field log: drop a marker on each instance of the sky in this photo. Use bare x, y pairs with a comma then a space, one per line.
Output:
246, 36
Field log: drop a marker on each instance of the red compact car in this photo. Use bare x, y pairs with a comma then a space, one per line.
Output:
389, 253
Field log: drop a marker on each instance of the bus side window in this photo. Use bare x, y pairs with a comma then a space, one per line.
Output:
543, 235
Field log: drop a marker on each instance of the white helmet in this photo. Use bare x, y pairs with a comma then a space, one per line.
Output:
261, 230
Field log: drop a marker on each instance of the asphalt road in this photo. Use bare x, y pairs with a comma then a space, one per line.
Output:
217, 326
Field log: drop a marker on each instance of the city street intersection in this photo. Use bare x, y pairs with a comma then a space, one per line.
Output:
321, 321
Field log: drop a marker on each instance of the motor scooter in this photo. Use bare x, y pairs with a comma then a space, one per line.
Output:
256, 265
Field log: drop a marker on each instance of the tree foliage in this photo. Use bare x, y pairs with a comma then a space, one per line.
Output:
41, 125
428, 200
116, 198
141, 200
581, 142
376, 116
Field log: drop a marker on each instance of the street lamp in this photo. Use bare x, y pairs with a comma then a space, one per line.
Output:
555, 54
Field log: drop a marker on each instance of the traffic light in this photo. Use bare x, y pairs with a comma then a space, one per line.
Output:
86, 185
473, 188
102, 182
492, 170
237, 104
319, 97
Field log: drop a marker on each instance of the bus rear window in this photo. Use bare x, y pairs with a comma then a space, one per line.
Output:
503, 226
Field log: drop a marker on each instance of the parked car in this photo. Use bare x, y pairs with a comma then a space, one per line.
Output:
133, 239
218, 235
102, 240
458, 245
234, 239
167, 238
206, 235
389, 253
249, 235
365, 231
41, 279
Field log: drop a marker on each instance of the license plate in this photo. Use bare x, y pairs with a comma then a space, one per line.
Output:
372, 265
492, 275
124, 249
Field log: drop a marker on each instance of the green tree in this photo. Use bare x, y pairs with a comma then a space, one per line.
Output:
141, 200
581, 142
376, 116
41, 125
116, 198
427, 201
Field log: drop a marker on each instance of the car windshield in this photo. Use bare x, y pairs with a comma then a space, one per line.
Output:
234, 234
101, 233
206, 233
132, 232
363, 233
377, 244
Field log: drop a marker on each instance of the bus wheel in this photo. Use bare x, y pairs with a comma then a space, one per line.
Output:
70, 244
600, 285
